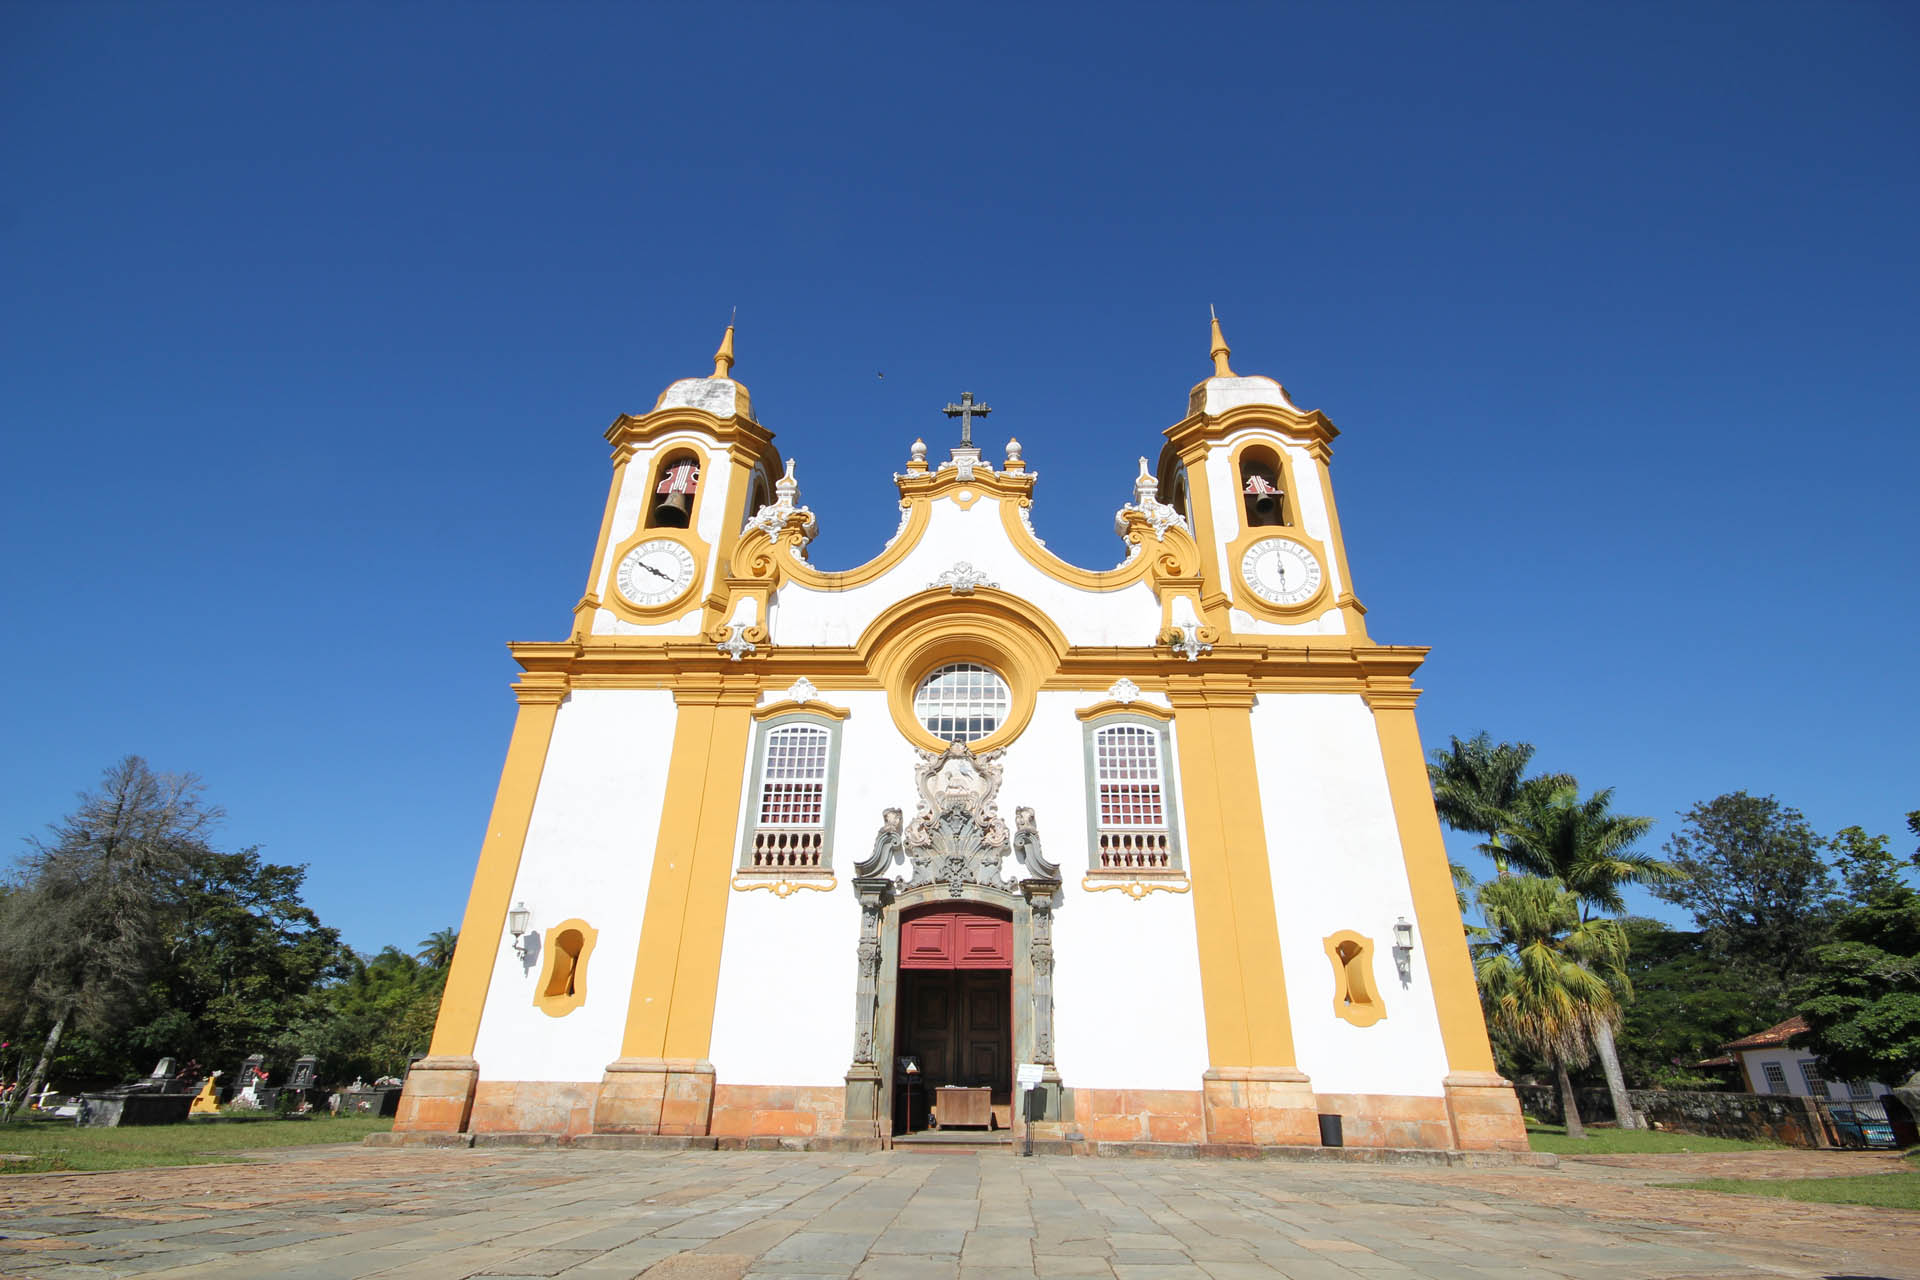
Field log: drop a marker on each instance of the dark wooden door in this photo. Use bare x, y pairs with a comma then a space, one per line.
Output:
958, 1023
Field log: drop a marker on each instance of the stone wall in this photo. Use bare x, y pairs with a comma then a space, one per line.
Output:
1763, 1117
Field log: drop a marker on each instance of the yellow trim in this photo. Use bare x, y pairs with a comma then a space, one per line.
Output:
664, 453
1114, 707
987, 626
1242, 982
787, 707
676, 973
766, 562
1173, 555
561, 1004
1352, 612
485, 921
1137, 887
1243, 596
590, 599
1463, 1027
1354, 997
784, 888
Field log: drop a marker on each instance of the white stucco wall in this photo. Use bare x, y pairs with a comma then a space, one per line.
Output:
1789, 1059
1126, 979
1336, 861
588, 854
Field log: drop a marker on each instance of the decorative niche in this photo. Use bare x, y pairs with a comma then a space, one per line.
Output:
1355, 997
563, 967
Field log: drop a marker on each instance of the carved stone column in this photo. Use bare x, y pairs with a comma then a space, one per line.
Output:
864, 1076
1039, 894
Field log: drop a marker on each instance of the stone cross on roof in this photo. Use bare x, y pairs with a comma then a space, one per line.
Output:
965, 411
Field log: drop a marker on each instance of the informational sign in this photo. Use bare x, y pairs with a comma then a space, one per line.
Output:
1028, 1074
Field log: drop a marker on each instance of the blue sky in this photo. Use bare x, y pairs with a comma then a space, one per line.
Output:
311, 318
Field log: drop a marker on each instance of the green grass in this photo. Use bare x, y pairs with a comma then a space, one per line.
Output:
1882, 1190
1623, 1142
55, 1146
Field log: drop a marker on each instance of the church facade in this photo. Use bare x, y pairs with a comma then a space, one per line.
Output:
824, 856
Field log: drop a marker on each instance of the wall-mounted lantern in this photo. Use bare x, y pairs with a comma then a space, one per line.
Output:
1403, 948
517, 921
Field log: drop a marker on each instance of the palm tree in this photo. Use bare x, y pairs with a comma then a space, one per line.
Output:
1476, 782
1546, 976
436, 949
1550, 831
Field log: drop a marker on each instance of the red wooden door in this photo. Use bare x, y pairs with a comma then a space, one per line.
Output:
959, 937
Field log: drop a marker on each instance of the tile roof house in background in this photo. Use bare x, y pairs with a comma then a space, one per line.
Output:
1769, 1063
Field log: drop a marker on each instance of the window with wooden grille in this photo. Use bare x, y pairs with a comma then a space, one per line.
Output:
1776, 1078
790, 824
1129, 803
1810, 1076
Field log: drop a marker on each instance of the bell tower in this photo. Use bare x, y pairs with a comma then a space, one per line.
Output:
1249, 470
686, 477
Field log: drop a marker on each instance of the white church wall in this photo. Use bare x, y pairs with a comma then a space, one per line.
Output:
1126, 979
784, 1010
1129, 616
1334, 850
588, 854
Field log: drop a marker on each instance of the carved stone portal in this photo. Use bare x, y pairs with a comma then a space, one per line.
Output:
956, 846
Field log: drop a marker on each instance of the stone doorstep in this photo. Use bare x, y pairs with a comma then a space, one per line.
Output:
1041, 1147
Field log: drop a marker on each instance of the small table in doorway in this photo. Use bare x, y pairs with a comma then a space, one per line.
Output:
955, 1105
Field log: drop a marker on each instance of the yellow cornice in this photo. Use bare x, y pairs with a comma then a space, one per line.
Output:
1299, 664
1311, 429
945, 481
1115, 707
788, 707
738, 432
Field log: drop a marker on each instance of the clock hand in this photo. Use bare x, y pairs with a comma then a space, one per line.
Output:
655, 572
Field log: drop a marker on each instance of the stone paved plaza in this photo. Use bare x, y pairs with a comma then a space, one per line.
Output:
339, 1213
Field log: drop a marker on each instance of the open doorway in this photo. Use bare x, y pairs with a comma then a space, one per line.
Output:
954, 1019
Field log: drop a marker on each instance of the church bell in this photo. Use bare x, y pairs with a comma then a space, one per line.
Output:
673, 507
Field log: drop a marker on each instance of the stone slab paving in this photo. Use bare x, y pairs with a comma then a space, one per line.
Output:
436, 1214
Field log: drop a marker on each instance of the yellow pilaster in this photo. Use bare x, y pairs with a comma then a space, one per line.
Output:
676, 976
454, 1032
1443, 939
1243, 989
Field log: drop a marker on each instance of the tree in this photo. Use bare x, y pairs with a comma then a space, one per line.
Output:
1755, 881
1586, 846
378, 1016
1476, 783
436, 949
1861, 998
1546, 975
244, 955
84, 928
1688, 1000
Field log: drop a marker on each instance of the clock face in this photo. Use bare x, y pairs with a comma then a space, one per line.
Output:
1281, 571
654, 572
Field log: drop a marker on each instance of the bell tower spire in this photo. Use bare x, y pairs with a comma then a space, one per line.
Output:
1220, 350
723, 358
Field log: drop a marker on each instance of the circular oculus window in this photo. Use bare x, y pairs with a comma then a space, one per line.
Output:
961, 702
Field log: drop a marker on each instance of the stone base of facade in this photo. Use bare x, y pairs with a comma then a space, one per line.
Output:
655, 1096
1484, 1112
438, 1097
1260, 1106
1235, 1111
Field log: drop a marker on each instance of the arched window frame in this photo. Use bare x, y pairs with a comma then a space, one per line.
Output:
1115, 857
791, 851
669, 458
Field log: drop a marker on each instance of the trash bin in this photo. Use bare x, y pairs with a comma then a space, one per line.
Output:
1330, 1135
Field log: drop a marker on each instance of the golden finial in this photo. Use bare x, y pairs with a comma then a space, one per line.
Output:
723, 358
1220, 350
